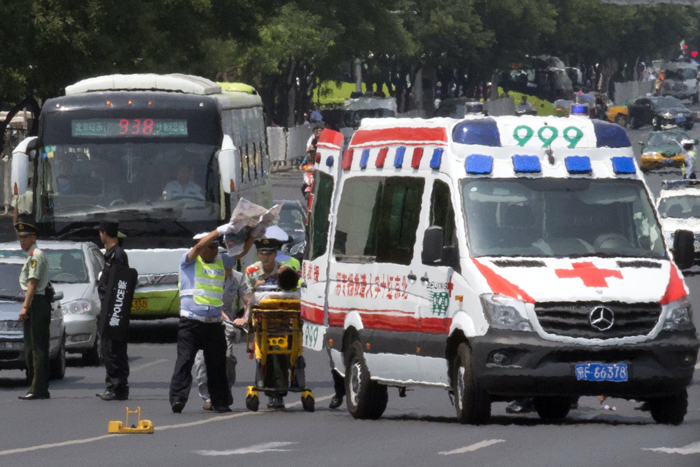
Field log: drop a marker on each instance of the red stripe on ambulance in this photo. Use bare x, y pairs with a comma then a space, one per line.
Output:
406, 136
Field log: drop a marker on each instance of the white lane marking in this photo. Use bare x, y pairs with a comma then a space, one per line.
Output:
692, 448
227, 417
274, 446
146, 365
54, 445
473, 447
158, 428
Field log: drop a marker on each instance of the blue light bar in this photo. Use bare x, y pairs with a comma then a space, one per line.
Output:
527, 164
578, 164
398, 158
610, 135
578, 109
329, 161
623, 165
364, 158
436, 159
483, 132
478, 164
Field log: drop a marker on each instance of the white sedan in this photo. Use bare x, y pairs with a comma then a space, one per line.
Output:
73, 269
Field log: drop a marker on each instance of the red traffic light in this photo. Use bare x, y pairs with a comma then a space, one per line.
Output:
694, 53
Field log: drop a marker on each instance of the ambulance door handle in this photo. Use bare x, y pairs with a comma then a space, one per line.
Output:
303, 285
425, 278
411, 277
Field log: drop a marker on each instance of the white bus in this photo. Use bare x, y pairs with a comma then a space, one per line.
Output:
167, 156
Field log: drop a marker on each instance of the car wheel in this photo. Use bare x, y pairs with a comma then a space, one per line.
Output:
471, 402
57, 366
669, 410
552, 408
93, 357
689, 126
656, 124
367, 399
621, 120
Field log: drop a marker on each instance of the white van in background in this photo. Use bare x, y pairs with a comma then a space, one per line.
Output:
496, 258
681, 81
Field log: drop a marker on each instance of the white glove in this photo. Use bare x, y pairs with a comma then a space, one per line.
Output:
225, 229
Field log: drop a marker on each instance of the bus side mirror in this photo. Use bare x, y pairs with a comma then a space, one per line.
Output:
684, 249
20, 165
433, 243
227, 164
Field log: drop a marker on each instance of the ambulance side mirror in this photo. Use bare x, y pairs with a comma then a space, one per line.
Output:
20, 164
227, 164
684, 249
433, 243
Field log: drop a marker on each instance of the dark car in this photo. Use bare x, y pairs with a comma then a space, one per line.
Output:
660, 112
293, 221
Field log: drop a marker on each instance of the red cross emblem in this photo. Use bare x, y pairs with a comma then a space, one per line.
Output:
589, 274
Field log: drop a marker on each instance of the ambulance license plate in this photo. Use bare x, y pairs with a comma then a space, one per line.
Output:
615, 372
139, 304
313, 336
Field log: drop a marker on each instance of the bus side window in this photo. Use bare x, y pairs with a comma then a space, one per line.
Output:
442, 213
244, 165
249, 161
264, 161
318, 223
255, 162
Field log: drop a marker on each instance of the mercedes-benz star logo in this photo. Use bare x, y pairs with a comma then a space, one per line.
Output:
602, 318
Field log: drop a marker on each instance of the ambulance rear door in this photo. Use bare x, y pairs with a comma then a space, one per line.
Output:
314, 306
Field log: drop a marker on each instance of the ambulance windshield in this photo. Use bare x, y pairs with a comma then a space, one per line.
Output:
560, 218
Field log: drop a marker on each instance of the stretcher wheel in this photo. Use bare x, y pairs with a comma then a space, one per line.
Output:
308, 403
252, 403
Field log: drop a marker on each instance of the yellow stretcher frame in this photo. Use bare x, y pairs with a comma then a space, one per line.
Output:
142, 426
277, 329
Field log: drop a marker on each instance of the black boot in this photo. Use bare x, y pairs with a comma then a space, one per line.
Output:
119, 394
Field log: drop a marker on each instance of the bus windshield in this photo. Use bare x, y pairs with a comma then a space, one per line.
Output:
137, 167
553, 217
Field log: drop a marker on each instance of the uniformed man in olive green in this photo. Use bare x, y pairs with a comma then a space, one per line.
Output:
36, 312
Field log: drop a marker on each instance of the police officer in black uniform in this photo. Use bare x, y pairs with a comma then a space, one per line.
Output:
113, 350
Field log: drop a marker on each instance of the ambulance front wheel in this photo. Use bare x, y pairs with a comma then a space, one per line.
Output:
367, 399
669, 410
252, 403
471, 402
553, 408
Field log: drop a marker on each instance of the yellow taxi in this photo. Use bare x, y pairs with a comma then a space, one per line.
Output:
662, 149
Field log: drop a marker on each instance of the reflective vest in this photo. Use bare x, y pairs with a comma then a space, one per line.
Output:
208, 283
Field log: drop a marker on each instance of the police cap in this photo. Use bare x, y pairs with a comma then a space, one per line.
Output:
268, 244
111, 228
25, 227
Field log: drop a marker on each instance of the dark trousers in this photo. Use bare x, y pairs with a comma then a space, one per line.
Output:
338, 383
36, 345
191, 337
116, 364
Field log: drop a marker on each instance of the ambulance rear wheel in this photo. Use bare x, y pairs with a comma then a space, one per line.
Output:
367, 399
669, 410
471, 402
252, 403
552, 408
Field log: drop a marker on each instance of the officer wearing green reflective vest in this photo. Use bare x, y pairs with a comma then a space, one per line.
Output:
202, 276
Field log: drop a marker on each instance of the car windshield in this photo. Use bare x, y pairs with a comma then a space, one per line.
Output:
658, 139
560, 218
64, 265
292, 221
680, 207
666, 102
9, 280
681, 74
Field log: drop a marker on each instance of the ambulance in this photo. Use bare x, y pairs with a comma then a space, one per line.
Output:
496, 258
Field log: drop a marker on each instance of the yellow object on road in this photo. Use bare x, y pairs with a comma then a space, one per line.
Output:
142, 426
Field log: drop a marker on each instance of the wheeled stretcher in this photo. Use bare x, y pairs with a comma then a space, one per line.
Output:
276, 337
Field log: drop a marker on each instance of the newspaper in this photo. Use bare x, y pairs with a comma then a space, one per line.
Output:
249, 219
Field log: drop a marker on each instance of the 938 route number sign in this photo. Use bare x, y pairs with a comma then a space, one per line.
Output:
128, 127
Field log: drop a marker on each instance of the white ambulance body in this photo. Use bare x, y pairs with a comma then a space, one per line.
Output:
498, 258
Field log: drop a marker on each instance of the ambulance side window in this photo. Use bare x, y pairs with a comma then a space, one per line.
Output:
358, 210
441, 212
318, 223
399, 218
